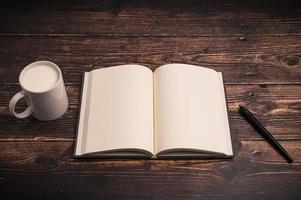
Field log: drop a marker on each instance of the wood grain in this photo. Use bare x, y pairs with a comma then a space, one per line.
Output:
152, 18
259, 59
256, 44
277, 106
49, 168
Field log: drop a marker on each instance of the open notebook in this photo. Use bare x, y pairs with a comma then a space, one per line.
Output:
177, 111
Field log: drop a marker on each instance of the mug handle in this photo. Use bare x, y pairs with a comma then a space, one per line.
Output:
12, 105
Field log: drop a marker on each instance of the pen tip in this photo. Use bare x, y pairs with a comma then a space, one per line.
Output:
241, 108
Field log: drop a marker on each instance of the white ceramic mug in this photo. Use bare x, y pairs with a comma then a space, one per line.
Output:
44, 90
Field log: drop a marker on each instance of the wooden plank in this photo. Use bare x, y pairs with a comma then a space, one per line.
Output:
255, 44
277, 106
152, 18
256, 60
257, 171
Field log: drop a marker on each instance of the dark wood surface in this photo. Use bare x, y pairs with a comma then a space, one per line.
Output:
256, 44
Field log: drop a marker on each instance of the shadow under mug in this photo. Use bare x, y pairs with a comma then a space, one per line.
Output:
44, 105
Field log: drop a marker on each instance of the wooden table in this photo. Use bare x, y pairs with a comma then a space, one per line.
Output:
256, 44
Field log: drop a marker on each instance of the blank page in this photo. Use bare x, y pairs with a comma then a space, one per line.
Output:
118, 109
190, 109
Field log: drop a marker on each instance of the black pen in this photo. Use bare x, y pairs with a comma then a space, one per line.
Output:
264, 132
